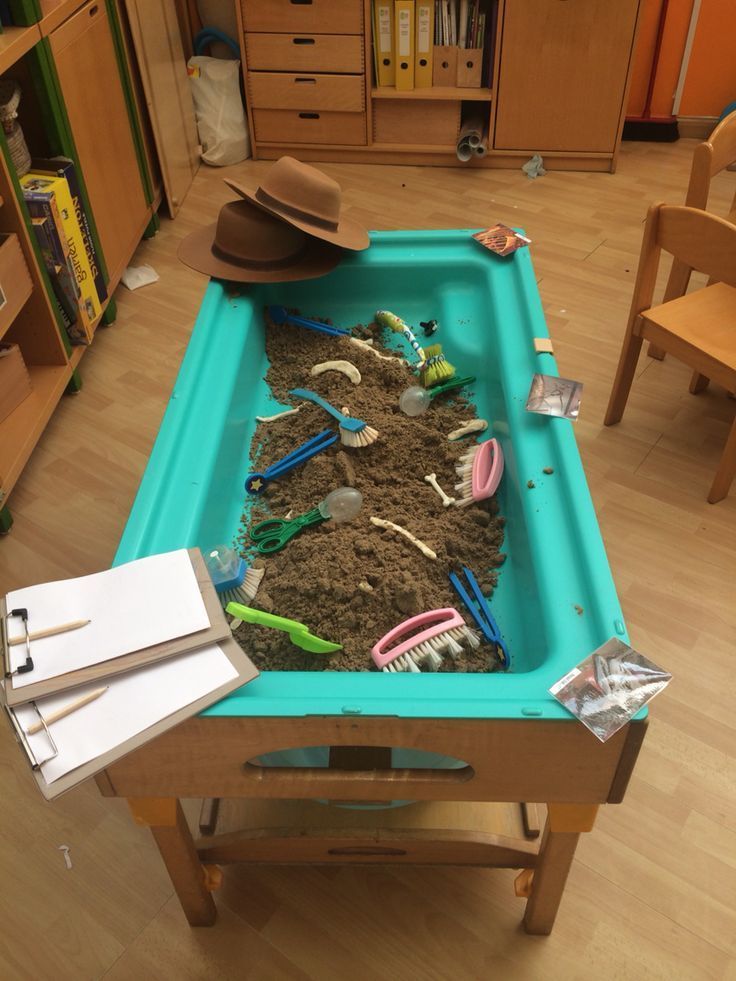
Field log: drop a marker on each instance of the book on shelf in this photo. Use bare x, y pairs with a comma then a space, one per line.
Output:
39, 189
48, 231
64, 167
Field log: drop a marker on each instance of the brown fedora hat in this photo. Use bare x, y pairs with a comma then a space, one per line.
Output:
307, 199
248, 245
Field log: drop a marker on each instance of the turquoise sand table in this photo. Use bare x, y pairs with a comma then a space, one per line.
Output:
490, 313
289, 738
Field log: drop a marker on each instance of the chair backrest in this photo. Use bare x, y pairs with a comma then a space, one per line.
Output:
696, 239
701, 240
709, 159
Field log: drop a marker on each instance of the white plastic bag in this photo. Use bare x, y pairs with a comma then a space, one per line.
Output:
223, 131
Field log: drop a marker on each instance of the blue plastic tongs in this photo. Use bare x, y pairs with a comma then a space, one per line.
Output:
480, 611
255, 483
280, 315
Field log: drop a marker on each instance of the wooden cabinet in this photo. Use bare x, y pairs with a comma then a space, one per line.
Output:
552, 82
85, 61
563, 72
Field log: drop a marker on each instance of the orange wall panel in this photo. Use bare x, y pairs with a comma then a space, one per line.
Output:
711, 77
670, 57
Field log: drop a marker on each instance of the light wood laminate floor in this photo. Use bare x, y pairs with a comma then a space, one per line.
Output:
652, 893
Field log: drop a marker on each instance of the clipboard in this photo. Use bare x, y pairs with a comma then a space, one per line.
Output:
246, 672
216, 632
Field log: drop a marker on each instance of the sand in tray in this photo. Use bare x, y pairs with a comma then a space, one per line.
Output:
351, 583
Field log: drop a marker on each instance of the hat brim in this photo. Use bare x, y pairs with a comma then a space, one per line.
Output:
348, 234
196, 252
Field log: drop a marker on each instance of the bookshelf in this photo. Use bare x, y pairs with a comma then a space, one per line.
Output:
570, 108
72, 71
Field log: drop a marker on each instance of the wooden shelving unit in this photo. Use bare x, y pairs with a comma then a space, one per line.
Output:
72, 73
570, 109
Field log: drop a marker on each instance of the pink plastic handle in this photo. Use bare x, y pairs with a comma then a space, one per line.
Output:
487, 469
438, 621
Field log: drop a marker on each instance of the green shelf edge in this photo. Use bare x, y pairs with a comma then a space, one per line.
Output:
135, 126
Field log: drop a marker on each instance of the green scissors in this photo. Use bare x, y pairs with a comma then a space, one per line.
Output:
274, 533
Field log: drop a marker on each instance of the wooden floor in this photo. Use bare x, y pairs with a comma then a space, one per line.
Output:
652, 893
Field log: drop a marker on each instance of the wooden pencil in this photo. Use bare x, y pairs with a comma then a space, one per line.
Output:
67, 710
62, 628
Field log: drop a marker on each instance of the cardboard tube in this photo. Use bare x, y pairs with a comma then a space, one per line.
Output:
472, 131
464, 151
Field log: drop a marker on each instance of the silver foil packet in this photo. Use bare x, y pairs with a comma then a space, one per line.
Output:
608, 687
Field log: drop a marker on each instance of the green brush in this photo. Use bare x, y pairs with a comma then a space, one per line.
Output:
298, 632
436, 369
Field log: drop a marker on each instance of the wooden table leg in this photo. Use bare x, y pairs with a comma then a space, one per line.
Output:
565, 823
165, 817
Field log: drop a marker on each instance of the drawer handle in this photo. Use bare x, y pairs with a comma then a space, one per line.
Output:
303, 40
93, 10
310, 81
309, 115
302, 3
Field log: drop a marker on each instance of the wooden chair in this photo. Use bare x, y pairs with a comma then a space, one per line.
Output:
698, 328
717, 153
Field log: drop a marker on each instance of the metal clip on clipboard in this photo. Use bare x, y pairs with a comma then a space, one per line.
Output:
24, 668
23, 739
21, 612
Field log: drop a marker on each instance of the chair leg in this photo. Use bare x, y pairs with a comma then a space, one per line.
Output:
698, 383
726, 469
624, 377
656, 352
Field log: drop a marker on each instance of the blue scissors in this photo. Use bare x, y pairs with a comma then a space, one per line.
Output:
274, 533
480, 611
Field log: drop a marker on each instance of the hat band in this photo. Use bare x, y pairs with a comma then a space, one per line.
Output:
234, 260
263, 197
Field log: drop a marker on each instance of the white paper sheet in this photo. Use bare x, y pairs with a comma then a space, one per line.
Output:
133, 702
133, 606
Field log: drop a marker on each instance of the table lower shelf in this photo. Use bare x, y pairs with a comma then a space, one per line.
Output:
425, 832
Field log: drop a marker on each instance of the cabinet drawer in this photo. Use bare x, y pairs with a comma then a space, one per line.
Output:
327, 16
416, 122
304, 52
15, 280
293, 126
269, 90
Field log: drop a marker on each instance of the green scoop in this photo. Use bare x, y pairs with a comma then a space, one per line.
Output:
298, 632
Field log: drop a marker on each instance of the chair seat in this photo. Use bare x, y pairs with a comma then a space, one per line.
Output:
704, 321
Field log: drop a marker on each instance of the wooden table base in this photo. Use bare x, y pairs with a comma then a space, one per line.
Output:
307, 832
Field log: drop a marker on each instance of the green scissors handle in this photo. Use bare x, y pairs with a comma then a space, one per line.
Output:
274, 533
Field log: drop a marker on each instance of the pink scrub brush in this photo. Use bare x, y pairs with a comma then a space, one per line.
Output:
480, 471
440, 632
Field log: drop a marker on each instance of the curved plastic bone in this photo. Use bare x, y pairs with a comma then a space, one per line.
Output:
424, 549
431, 479
279, 415
346, 367
472, 426
366, 346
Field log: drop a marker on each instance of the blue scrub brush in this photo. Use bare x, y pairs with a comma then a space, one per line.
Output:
234, 581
